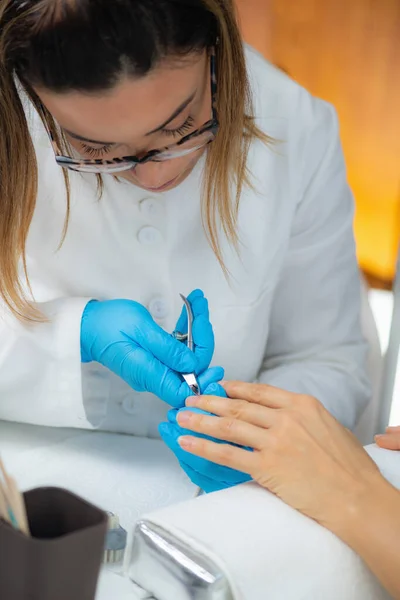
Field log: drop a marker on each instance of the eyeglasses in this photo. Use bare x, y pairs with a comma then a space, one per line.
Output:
190, 143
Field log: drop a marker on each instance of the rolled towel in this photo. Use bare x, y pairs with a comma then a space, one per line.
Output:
260, 547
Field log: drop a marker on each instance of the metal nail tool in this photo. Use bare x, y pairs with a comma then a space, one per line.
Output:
187, 338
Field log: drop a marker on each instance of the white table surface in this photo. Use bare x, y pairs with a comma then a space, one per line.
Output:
122, 474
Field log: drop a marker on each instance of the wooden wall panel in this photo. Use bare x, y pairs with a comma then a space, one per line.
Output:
347, 52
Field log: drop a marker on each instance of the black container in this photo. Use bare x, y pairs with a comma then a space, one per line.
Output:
62, 559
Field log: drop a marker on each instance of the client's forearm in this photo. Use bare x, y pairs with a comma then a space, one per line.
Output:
370, 525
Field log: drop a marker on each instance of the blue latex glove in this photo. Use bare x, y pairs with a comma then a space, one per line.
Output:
202, 331
208, 476
122, 336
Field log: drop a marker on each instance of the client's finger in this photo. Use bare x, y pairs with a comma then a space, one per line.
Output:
389, 441
392, 429
258, 393
221, 454
234, 409
223, 428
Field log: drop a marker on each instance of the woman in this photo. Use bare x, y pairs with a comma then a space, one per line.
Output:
145, 152
304, 456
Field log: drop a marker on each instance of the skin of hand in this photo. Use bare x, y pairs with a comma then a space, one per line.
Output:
389, 440
308, 459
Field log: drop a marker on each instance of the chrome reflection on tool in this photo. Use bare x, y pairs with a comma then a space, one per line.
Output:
187, 338
170, 569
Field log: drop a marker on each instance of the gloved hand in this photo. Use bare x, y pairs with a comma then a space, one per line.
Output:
202, 331
206, 475
122, 336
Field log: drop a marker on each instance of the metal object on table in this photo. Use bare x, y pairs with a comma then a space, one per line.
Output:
391, 370
170, 570
116, 540
187, 338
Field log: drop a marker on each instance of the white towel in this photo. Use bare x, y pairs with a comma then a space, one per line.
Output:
269, 551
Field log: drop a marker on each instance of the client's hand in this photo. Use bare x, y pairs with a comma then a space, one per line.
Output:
301, 453
389, 440
304, 456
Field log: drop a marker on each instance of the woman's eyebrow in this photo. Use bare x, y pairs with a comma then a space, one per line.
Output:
76, 136
176, 113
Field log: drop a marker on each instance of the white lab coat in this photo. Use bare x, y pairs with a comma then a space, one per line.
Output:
289, 315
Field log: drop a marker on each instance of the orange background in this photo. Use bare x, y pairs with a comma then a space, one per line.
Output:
347, 52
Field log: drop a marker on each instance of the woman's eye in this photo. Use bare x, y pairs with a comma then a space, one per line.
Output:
95, 152
180, 131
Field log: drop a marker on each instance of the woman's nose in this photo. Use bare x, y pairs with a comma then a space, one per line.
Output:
154, 174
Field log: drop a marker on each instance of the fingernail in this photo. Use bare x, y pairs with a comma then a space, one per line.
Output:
379, 436
184, 417
192, 401
185, 442
222, 383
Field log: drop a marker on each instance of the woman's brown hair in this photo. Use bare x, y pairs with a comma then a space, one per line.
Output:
101, 42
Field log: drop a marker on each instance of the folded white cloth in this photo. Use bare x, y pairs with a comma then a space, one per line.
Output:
268, 551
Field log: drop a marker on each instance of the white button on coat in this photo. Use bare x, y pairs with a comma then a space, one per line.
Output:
129, 405
158, 308
149, 236
289, 315
150, 207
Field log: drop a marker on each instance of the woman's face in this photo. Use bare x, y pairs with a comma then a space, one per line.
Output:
139, 115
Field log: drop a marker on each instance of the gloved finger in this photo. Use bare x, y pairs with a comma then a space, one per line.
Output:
210, 377
214, 389
204, 342
170, 434
154, 377
182, 324
204, 483
199, 306
203, 335
176, 395
165, 348
145, 373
